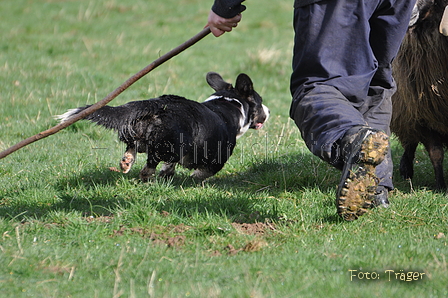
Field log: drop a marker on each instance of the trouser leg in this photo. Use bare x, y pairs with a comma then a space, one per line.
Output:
342, 71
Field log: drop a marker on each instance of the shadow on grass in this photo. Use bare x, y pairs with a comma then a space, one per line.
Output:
255, 194
67, 195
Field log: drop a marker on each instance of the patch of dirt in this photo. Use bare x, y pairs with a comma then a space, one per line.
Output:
176, 241
157, 238
58, 269
103, 219
165, 213
257, 228
254, 245
125, 230
179, 228
216, 253
439, 236
231, 251
251, 246
114, 169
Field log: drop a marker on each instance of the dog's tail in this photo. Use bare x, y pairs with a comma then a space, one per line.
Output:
107, 116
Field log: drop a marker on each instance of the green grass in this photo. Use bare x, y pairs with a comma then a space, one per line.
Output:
265, 226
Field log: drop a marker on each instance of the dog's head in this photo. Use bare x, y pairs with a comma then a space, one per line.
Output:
255, 113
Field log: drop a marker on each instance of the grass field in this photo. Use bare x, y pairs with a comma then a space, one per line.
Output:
265, 226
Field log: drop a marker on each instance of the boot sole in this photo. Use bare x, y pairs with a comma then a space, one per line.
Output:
356, 190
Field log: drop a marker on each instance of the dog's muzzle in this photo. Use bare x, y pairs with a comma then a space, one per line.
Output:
259, 121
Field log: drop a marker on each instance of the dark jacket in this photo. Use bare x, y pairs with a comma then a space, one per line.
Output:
230, 8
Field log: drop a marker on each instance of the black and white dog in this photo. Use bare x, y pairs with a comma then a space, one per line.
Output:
173, 129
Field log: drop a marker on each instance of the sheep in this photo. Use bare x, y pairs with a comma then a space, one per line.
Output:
420, 104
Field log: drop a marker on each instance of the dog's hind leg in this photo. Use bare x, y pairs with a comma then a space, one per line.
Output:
207, 171
128, 159
202, 174
167, 170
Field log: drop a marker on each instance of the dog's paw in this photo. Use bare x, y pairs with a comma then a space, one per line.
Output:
147, 173
126, 162
167, 170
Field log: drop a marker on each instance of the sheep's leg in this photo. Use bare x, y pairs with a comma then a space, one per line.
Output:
407, 161
435, 151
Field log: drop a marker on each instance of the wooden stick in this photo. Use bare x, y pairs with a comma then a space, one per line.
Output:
109, 97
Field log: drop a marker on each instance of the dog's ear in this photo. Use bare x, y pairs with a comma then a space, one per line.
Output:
244, 85
217, 82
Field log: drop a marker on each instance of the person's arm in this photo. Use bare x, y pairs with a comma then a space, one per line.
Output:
224, 16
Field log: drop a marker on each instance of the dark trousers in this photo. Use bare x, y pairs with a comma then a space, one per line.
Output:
342, 76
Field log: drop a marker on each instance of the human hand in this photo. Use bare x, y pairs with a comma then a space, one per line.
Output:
219, 25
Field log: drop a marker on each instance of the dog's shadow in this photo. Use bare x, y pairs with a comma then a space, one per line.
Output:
253, 194
233, 194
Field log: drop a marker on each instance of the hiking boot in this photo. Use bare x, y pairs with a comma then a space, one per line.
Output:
364, 150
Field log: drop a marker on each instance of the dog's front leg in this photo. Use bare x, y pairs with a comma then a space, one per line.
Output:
167, 169
128, 159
